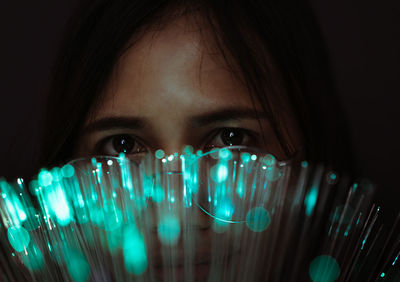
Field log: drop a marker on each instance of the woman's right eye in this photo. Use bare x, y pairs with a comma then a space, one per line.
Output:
116, 144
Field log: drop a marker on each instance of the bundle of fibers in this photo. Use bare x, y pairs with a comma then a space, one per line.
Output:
232, 214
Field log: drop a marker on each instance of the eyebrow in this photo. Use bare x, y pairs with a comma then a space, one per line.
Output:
137, 123
224, 115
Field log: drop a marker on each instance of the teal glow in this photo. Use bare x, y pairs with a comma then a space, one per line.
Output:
15, 210
34, 219
114, 240
304, 164
159, 154
188, 150
310, 200
59, 205
225, 154
394, 262
258, 219
67, 171
224, 210
220, 226
169, 230
253, 157
18, 237
112, 217
33, 260
134, 250
332, 178
269, 160
45, 178
78, 266
383, 274
245, 157
324, 269
219, 173
344, 214
158, 194
272, 173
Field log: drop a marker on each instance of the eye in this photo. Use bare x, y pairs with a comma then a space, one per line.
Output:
232, 137
116, 144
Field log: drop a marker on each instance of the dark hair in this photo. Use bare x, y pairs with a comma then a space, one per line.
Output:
263, 37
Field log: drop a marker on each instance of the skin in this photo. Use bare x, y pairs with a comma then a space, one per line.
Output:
176, 85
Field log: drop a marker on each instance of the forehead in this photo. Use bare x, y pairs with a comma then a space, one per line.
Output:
171, 70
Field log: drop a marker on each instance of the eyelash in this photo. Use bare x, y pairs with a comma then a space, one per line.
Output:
247, 134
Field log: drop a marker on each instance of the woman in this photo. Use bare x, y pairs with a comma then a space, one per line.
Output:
135, 76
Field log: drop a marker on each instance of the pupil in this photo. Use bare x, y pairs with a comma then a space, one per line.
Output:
232, 137
123, 144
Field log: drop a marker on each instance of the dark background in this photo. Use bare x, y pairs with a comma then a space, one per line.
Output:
363, 40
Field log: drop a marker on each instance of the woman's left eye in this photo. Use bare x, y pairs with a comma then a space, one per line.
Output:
232, 137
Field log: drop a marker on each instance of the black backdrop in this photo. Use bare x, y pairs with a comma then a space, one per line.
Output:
364, 44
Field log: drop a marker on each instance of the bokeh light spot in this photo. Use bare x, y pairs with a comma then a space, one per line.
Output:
45, 178
245, 157
324, 269
219, 173
18, 237
169, 230
159, 154
258, 219
67, 171
134, 250
78, 267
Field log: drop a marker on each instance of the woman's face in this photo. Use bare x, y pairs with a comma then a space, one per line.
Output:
170, 90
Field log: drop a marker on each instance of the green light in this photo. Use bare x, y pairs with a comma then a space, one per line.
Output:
18, 237
269, 160
114, 240
45, 178
220, 226
225, 210
324, 269
78, 267
310, 200
272, 173
112, 217
134, 250
188, 150
258, 219
59, 205
225, 154
219, 173
304, 164
158, 194
159, 154
332, 178
169, 230
245, 157
34, 220
33, 259
383, 274
67, 171
253, 157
